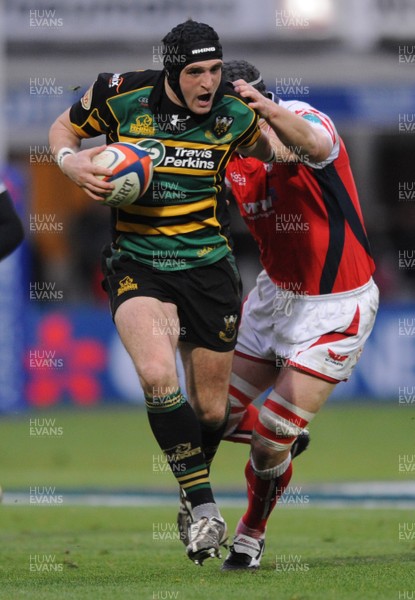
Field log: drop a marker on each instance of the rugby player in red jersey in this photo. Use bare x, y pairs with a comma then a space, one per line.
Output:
305, 323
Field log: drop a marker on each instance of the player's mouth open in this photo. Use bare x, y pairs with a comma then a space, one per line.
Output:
204, 99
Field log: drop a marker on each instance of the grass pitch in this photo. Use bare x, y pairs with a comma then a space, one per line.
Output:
76, 553
115, 448
87, 553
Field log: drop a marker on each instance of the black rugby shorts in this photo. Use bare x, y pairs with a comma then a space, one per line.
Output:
208, 298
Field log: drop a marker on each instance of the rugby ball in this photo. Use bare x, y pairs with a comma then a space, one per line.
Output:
132, 172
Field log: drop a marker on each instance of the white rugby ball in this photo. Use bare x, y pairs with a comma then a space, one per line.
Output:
132, 172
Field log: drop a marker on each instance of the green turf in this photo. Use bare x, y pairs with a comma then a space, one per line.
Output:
123, 553
113, 553
115, 448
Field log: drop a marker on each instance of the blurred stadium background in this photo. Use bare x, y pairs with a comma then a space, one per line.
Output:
71, 424
354, 59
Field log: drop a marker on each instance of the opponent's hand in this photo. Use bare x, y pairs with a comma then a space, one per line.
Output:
264, 106
80, 168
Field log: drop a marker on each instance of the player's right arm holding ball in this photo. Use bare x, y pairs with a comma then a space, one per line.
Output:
76, 163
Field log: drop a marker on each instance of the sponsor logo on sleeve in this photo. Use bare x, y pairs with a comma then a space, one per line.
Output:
115, 81
86, 99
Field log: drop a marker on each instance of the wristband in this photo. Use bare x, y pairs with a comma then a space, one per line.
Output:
61, 155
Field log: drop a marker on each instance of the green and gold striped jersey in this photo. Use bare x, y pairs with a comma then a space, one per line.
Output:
178, 222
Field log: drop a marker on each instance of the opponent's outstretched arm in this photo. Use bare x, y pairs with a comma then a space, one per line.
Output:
295, 133
262, 149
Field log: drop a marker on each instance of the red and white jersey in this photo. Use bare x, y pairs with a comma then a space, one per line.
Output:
305, 217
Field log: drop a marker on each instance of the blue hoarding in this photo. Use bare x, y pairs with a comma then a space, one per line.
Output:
74, 356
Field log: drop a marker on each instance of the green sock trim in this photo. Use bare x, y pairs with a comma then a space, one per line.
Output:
168, 403
194, 469
197, 487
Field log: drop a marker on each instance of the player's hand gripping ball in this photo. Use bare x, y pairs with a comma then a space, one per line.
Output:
132, 172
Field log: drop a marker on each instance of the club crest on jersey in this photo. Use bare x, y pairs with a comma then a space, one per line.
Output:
230, 328
220, 129
126, 284
222, 125
143, 125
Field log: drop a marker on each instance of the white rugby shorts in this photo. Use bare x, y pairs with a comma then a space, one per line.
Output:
321, 335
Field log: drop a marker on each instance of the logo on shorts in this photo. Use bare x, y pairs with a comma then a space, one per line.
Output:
126, 285
230, 328
337, 359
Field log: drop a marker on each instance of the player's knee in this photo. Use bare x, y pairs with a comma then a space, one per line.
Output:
279, 424
157, 378
263, 453
267, 463
212, 416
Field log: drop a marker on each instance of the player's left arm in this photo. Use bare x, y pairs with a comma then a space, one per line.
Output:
296, 133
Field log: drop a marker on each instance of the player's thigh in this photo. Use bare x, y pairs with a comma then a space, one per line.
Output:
303, 390
146, 328
207, 380
258, 373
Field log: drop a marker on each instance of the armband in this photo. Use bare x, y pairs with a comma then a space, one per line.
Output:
61, 155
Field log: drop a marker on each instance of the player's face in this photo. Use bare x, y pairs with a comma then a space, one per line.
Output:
199, 82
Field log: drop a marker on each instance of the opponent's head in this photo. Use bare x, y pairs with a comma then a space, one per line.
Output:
242, 69
193, 64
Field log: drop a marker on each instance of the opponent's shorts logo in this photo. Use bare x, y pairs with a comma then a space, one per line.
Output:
335, 359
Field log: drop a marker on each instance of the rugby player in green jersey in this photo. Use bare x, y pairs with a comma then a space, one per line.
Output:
169, 271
